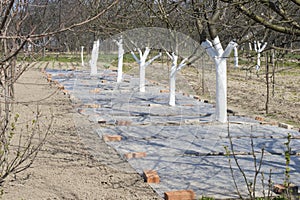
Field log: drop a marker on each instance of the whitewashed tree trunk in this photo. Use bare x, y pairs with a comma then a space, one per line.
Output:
236, 57
143, 64
215, 50
94, 59
142, 75
250, 46
258, 61
174, 69
81, 54
173, 79
120, 59
258, 47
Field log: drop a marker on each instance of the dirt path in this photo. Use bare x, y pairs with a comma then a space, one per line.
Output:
72, 163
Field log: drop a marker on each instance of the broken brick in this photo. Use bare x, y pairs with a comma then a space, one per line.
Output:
92, 105
135, 155
269, 123
96, 90
112, 138
196, 97
259, 118
65, 92
164, 91
123, 123
60, 87
151, 176
81, 111
188, 105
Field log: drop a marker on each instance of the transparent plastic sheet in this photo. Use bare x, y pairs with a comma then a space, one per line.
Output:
182, 143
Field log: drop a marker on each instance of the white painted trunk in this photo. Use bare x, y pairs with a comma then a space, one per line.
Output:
221, 90
173, 80
258, 61
142, 75
143, 64
221, 81
250, 46
120, 60
236, 57
81, 54
259, 48
94, 58
219, 55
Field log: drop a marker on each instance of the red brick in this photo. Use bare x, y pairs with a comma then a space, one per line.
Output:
96, 90
123, 123
259, 118
180, 195
135, 155
164, 91
112, 138
269, 123
197, 97
60, 75
81, 111
151, 176
92, 105
60, 86
188, 105
65, 92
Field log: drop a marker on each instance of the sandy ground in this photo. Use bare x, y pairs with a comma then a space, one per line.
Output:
247, 94
74, 163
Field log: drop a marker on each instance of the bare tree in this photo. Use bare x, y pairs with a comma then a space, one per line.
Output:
280, 18
23, 25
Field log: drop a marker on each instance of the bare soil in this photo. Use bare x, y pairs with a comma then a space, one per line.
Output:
74, 163
247, 93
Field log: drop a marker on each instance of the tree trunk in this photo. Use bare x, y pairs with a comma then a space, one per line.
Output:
142, 75
120, 60
173, 80
215, 51
143, 64
94, 59
267, 82
81, 54
236, 57
221, 89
